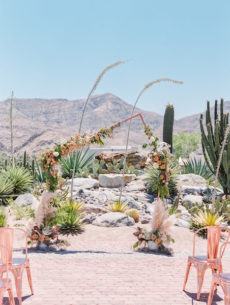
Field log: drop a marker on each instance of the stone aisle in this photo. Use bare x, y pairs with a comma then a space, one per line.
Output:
81, 278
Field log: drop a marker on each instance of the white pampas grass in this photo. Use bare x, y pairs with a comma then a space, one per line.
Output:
161, 221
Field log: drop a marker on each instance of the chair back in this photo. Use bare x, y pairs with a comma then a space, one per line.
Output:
213, 242
6, 242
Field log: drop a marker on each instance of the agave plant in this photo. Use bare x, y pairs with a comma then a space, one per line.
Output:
20, 178
118, 206
83, 159
198, 167
207, 218
6, 190
70, 218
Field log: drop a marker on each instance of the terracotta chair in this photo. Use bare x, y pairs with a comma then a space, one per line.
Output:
17, 265
222, 279
6, 249
211, 260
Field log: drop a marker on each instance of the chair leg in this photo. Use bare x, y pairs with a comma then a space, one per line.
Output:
17, 272
200, 278
211, 293
187, 273
11, 296
29, 279
1, 296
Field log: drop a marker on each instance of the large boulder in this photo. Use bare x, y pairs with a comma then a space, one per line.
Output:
114, 219
115, 180
83, 183
191, 180
134, 158
26, 200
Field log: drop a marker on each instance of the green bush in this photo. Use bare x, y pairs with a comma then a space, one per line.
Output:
20, 178
185, 143
154, 181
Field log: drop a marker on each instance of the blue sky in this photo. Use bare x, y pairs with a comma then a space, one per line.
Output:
56, 49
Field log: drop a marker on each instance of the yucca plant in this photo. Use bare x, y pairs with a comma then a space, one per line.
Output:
207, 218
70, 218
6, 190
20, 178
118, 206
198, 167
83, 159
39, 175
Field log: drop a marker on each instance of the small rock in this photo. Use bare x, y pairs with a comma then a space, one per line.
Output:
115, 180
114, 219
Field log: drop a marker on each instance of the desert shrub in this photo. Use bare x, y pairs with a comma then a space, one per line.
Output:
3, 217
83, 160
118, 206
100, 167
185, 143
21, 212
198, 167
6, 190
134, 214
20, 178
154, 181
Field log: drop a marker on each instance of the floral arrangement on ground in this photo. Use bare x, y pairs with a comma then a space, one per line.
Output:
159, 237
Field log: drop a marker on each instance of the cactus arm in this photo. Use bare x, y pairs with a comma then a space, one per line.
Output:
206, 145
217, 138
216, 111
209, 123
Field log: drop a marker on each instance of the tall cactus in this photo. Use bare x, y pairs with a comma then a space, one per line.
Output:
212, 140
168, 125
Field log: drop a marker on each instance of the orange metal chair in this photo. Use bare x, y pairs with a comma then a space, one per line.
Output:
17, 265
6, 249
222, 279
211, 260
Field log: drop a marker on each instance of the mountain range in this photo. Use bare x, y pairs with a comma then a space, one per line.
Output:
39, 123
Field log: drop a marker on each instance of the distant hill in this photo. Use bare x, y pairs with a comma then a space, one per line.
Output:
38, 123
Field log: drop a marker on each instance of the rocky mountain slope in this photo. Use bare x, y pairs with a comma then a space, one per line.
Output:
38, 123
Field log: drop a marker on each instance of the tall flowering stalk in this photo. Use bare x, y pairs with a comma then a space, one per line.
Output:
11, 129
147, 86
100, 76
